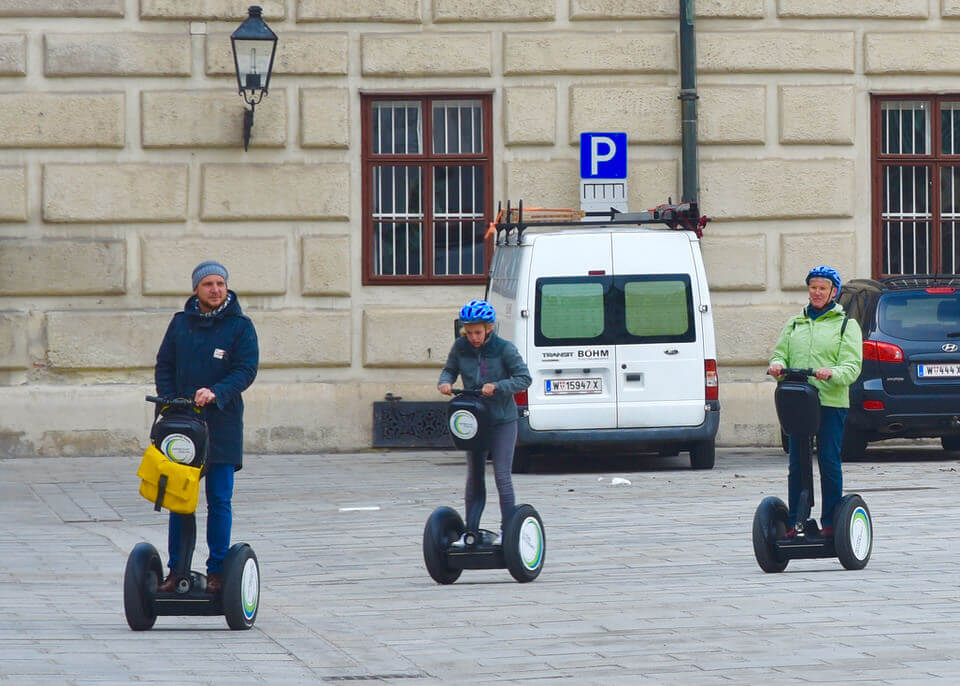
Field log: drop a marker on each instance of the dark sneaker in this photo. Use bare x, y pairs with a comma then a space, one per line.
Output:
168, 584
827, 532
214, 583
792, 532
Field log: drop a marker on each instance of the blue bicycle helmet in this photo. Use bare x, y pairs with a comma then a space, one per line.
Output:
477, 311
824, 272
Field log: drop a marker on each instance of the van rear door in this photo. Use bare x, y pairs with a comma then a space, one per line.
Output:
570, 355
660, 353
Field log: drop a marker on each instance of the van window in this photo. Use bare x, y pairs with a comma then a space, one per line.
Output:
656, 308
571, 310
605, 310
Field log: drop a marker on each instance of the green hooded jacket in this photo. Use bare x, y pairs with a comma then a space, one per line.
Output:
815, 343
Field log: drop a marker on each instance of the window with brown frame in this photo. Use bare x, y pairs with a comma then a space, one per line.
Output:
427, 182
916, 184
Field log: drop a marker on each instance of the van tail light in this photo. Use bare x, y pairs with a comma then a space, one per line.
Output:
882, 352
711, 381
873, 404
941, 290
521, 398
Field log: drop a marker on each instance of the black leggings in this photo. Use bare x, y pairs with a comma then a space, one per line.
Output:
503, 437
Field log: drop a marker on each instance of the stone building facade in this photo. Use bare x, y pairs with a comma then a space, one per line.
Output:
121, 167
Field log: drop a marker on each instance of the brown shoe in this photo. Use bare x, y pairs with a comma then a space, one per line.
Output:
169, 584
214, 583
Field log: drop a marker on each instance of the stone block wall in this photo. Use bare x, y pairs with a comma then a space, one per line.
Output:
121, 167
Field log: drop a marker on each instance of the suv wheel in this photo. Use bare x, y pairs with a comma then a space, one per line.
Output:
854, 443
950, 442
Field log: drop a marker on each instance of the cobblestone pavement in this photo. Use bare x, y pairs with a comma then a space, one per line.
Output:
654, 581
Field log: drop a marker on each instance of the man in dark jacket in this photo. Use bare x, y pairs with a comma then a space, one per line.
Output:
210, 354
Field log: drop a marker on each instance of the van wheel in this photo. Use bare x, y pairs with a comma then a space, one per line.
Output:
522, 459
703, 454
853, 445
950, 442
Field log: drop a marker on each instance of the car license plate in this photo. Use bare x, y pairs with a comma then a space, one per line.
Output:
937, 370
574, 386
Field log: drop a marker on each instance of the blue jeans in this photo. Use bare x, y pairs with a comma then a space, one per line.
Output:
219, 489
829, 439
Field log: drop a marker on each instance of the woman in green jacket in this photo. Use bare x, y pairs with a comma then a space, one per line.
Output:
824, 339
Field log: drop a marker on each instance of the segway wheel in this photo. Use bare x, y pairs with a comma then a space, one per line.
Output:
241, 587
853, 532
524, 544
141, 577
769, 524
443, 527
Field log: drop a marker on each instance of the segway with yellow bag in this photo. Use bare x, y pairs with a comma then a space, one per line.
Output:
170, 474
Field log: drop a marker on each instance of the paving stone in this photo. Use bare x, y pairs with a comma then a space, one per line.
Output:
653, 582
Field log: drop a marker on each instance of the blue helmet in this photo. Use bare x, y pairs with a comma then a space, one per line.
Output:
477, 311
825, 272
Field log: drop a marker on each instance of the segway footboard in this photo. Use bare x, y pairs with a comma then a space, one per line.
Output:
479, 556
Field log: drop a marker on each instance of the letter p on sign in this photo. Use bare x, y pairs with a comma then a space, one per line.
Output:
603, 155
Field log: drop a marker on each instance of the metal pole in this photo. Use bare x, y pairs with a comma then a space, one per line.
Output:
688, 102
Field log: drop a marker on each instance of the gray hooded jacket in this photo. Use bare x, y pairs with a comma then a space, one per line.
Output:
496, 361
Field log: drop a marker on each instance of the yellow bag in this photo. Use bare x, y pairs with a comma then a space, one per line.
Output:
181, 483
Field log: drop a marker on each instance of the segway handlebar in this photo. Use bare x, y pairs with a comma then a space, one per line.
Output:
797, 373
175, 402
467, 391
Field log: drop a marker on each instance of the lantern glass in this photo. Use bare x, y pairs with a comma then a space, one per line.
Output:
253, 63
254, 47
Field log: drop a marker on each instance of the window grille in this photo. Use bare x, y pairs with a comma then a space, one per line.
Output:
916, 184
426, 188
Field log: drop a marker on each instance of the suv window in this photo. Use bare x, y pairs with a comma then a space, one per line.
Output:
920, 316
606, 310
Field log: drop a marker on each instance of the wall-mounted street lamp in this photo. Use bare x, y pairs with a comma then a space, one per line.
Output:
254, 46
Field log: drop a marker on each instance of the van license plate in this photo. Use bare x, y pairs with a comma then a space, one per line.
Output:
572, 386
938, 370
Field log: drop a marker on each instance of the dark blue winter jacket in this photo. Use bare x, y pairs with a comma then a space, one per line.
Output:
218, 351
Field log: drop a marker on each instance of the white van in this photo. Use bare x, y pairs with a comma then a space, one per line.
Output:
616, 326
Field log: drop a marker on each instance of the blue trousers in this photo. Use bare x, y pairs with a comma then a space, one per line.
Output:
219, 489
829, 439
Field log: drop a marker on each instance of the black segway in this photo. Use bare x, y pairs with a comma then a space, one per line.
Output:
798, 408
523, 548
170, 471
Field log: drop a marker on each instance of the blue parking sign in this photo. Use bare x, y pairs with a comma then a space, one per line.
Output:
603, 155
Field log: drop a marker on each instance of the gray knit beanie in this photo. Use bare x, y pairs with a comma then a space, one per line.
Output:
206, 269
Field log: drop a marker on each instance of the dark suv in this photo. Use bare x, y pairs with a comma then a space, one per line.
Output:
910, 383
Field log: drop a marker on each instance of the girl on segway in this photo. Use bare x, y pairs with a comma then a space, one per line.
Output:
822, 338
488, 363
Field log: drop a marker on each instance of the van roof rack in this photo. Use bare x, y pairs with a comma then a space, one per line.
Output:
685, 216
